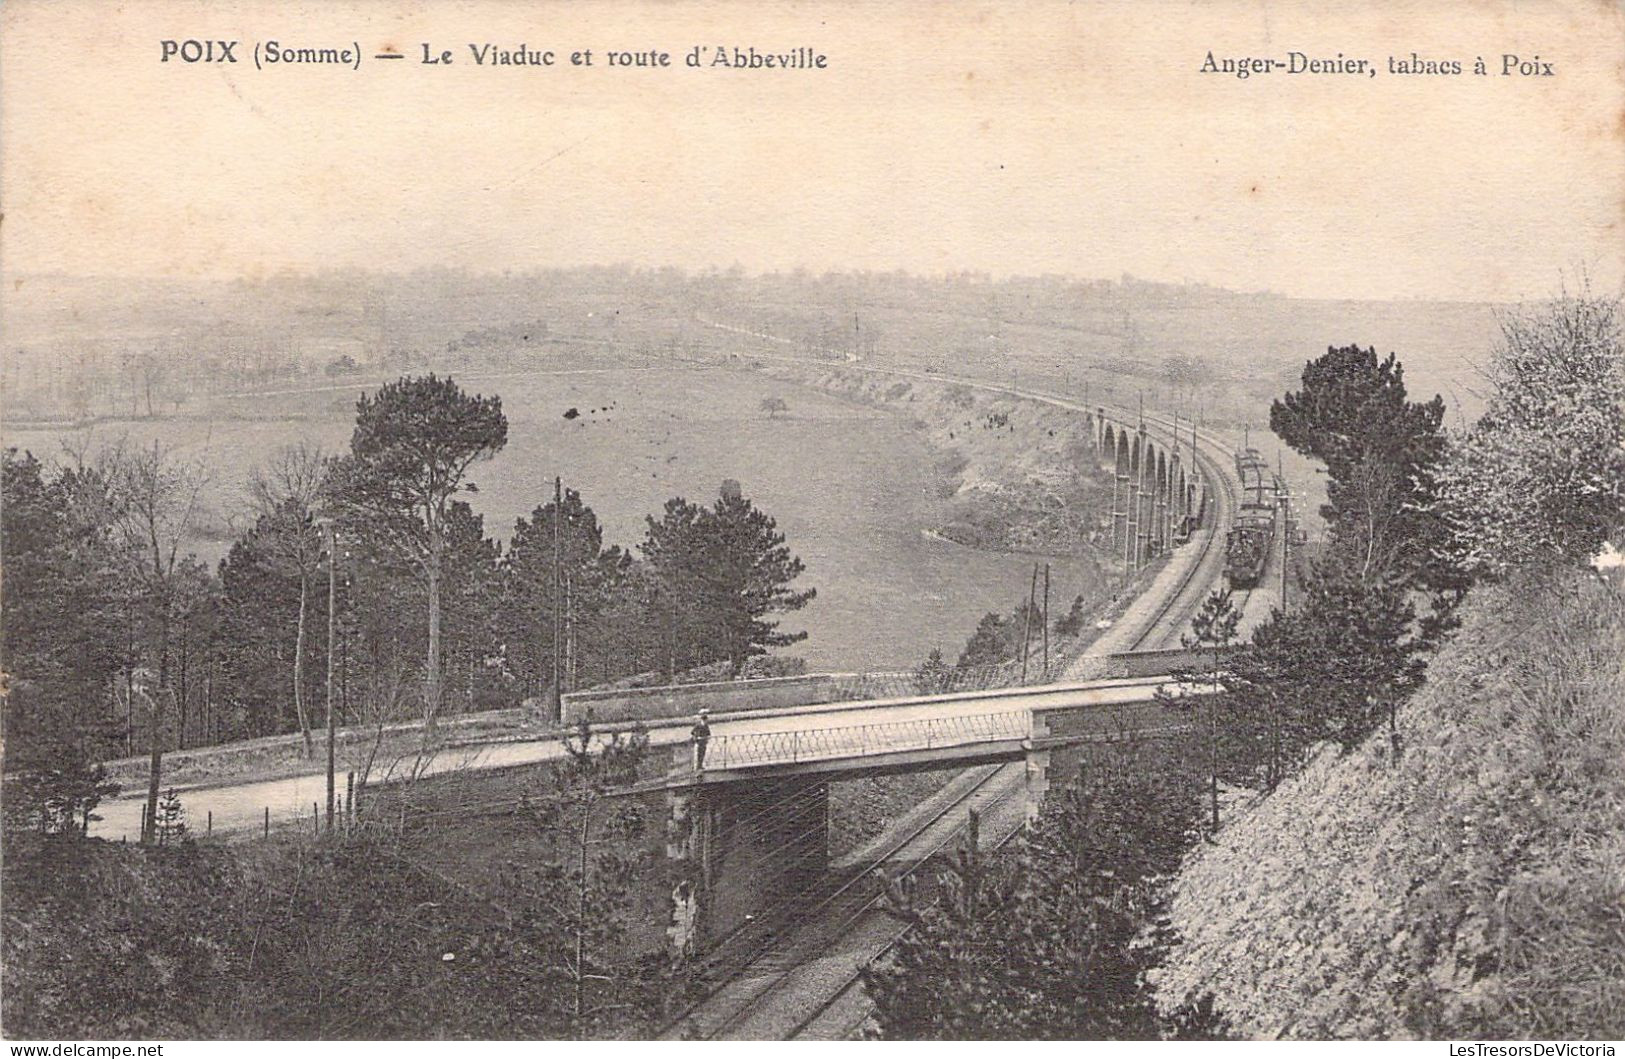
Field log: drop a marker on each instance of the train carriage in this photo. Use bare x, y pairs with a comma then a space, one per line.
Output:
1247, 546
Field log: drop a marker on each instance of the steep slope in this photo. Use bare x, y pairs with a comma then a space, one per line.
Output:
1472, 886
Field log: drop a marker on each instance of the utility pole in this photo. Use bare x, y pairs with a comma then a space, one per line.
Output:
1027, 623
1131, 527
1286, 520
1117, 486
332, 636
1193, 456
570, 630
1286, 543
1176, 505
1046, 621
558, 611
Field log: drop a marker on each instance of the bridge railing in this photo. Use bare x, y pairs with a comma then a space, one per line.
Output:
903, 683
821, 744
855, 687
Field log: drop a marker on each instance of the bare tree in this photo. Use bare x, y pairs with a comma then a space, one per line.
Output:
287, 495
157, 504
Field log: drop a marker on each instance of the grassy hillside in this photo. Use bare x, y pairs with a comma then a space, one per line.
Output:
1474, 885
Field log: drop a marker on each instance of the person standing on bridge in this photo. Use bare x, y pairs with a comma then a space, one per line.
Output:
702, 735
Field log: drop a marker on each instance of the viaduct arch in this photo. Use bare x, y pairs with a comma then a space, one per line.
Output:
1157, 494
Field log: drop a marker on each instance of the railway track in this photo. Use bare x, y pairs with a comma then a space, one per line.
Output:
840, 1012
760, 995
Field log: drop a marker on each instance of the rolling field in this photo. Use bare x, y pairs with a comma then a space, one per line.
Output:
852, 488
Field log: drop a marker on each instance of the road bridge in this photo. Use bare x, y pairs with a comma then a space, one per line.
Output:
751, 818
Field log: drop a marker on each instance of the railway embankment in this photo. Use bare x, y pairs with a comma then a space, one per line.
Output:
1470, 885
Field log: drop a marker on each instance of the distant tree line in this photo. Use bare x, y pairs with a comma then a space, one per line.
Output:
117, 640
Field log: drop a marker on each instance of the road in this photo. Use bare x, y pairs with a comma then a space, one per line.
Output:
244, 807
820, 732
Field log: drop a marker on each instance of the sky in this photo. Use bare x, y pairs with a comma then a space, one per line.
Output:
1016, 138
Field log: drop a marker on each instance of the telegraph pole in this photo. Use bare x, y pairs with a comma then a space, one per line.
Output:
1286, 543
1046, 621
1286, 521
332, 638
558, 611
1027, 625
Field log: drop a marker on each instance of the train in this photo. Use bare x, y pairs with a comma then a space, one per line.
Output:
1247, 545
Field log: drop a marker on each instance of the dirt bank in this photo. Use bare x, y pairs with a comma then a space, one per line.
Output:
1022, 476
1469, 888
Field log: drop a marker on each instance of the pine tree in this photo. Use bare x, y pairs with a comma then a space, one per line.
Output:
579, 902
59, 641
410, 453
934, 676
594, 582
170, 826
748, 575
1053, 940
1213, 629
1380, 450
1071, 623
287, 494
993, 642
722, 572
949, 977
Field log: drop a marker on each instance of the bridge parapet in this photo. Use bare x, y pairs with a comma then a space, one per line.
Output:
753, 749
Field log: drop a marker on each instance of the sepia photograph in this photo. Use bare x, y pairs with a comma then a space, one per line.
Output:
695, 520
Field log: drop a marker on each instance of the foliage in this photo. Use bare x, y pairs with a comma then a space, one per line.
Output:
472, 600
413, 444
170, 827
994, 641
1212, 630
1341, 663
59, 643
54, 788
1541, 477
597, 598
153, 500
288, 495
1054, 942
1335, 669
1071, 623
339, 939
934, 675
1380, 450
721, 572
112, 941
997, 638
260, 603
578, 904
117, 640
